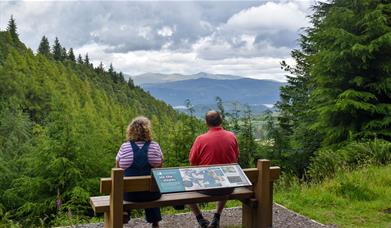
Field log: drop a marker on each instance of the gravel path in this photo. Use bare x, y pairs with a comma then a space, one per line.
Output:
232, 218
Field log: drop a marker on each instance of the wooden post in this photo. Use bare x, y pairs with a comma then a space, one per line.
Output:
107, 219
249, 213
116, 198
263, 195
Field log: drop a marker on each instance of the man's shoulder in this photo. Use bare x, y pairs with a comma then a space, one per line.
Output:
229, 133
201, 137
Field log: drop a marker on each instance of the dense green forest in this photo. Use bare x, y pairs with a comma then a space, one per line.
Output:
62, 119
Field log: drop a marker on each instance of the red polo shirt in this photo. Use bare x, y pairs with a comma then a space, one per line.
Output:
217, 146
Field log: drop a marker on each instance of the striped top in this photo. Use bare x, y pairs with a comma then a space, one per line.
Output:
125, 154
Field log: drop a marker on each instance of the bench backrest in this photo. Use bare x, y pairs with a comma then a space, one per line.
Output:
147, 183
261, 177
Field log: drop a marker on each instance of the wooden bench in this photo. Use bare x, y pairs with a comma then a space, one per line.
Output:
257, 200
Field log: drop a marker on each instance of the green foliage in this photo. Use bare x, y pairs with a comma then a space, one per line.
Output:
57, 50
61, 125
11, 28
329, 161
351, 70
44, 47
340, 88
246, 140
350, 199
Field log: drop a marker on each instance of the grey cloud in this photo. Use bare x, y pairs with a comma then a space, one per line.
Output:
201, 31
282, 38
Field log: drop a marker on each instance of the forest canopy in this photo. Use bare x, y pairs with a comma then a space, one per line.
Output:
62, 121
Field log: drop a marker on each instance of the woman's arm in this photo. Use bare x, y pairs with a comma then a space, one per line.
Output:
155, 155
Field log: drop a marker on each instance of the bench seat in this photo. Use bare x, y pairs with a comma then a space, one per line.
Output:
101, 204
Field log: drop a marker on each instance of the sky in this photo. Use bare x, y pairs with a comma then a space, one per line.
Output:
246, 38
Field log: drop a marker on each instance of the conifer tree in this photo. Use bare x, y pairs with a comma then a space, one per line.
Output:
101, 68
351, 69
121, 78
80, 59
71, 55
87, 60
113, 74
64, 54
130, 83
44, 47
57, 50
111, 69
12, 28
220, 108
340, 88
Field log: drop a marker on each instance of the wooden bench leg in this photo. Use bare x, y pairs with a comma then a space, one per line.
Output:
107, 220
249, 213
263, 194
116, 198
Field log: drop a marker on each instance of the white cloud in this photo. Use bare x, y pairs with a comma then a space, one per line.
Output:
166, 31
168, 61
144, 32
270, 16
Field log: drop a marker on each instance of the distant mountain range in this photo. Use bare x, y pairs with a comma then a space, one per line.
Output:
203, 88
149, 78
203, 91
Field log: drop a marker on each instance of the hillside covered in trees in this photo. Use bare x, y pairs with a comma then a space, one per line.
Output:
62, 121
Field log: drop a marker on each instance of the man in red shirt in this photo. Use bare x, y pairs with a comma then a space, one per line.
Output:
217, 146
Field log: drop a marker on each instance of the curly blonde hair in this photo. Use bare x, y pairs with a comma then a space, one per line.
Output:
139, 129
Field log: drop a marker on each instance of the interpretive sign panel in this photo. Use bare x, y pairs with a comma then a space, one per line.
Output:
184, 179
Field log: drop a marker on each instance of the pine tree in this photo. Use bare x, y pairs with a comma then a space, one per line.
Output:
111, 69
189, 107
71, 55
339, 90
351, 69
130, 83
12, 28
101, 68
64, 54
80, 59
87, 60
246, 139
57, 50
121, 77
221, 110
44, 47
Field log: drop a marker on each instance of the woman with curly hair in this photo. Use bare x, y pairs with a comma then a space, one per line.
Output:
137, 157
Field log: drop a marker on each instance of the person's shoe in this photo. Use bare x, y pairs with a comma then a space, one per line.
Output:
215, 222
203, 222
155, 225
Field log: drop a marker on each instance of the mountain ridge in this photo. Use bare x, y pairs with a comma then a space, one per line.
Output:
155, 78
205, 90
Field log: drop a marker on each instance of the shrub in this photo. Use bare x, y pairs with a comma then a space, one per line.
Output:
327, 162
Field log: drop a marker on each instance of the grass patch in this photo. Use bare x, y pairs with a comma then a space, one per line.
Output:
356, 199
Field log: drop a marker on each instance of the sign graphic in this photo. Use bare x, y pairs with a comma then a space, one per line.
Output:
199, 178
